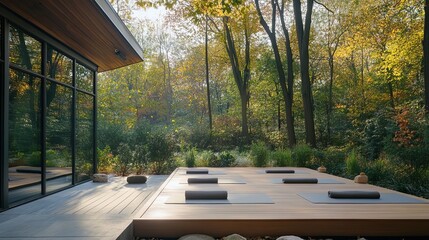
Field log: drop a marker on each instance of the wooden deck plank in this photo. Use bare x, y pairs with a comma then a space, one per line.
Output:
66, 214
289, 211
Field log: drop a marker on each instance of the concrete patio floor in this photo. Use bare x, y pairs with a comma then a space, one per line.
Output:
88, 211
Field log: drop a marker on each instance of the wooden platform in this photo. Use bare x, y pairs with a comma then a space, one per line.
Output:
87, 211
288, 214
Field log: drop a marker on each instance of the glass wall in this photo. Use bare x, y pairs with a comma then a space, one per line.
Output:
51, 122
59, 134
25, 122
25, 172
84, 136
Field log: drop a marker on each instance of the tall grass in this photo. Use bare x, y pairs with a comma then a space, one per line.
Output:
259, 154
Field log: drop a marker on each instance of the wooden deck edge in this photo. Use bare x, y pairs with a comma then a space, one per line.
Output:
161, 228
153, 196
128, 233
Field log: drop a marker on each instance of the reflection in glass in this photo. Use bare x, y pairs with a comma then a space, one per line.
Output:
24, 136
84, 78
58, 136
60, 67
25, 51
84, 136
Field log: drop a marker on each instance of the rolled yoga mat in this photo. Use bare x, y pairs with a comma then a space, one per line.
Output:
197, 171
354, 194
300, 180
279, 171
206, 195
203, 180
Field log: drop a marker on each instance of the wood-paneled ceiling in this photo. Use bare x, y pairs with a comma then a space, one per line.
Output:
89, 27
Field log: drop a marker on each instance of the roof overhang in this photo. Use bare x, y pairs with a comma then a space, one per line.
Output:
90, 27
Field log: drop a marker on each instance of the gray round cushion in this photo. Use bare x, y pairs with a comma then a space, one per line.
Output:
135, 179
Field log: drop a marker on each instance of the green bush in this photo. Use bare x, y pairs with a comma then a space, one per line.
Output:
301, 155
207, 159
106, 160
125, 163
333, 158
282, 158
379, 171
353, 163
259, 154
226, 159
160, 150
190, 157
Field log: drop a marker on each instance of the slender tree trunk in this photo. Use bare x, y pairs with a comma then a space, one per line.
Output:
287, 88
330, 101
241, 81
207, 77
426, 56
303, 42
391, 97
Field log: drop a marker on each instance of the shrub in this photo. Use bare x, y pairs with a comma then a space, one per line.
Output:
379, 171
226, 159
160, 150
207, 159
125, 156
333, 158
302, 154
190, 157
259, 154
282, 158
353, 163
106, 160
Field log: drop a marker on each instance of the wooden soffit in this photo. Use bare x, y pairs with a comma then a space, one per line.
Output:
90, 27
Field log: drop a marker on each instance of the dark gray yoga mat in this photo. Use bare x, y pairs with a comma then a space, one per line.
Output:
201, 171
299, 180
197, 171
203, 180
385, 198
354, 194
206, 195
282, 171
319, 181
274, 171
222, 180
233, 198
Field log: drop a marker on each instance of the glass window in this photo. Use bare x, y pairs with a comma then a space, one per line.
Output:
25, 51
24, 136
59, 66
84, 78
84, 136
58, 136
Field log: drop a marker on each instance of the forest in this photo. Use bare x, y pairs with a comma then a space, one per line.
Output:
339, 83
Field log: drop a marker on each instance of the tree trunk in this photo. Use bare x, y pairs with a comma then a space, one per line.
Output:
303, 42
330, 101
287, 90
391, 97
207, 78
241, 81
426, 56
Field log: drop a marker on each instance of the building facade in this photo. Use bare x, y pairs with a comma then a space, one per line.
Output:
51, 52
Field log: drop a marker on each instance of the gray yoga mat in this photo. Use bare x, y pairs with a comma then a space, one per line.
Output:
354, 194
278, 171
228, 180
320, 181
203, 180
386, 198
233, 198
199, 171
206, 195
